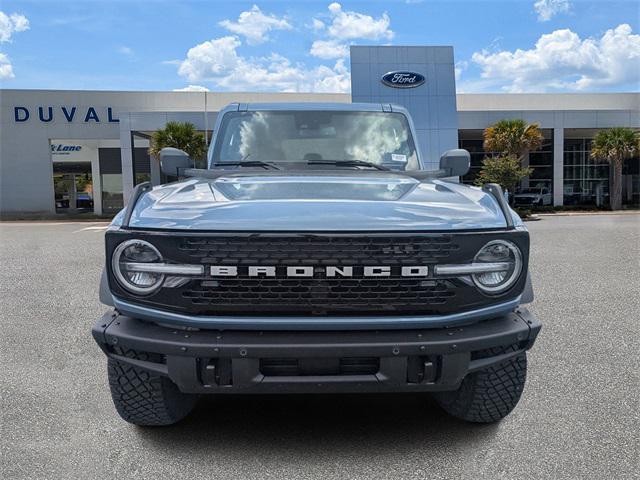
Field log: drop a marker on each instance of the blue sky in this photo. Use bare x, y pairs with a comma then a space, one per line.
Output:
508, 46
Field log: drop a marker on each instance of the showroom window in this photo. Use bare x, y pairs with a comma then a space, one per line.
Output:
141, 158
542, 163
111, 179
472, 141
72, 175
631, 182
541, 160
73, 187
586, 181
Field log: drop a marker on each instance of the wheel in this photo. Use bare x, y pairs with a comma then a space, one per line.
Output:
488, 395
146, 398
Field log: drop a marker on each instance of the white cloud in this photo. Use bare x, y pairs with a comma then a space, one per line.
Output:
218, 61
6, 69
547, 9
330, 80
561, 60
317, 25
328, 49
255, 25
10, 24
124, 50
192, 88
209, 59
347, 25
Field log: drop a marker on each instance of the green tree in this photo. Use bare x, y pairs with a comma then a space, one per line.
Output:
614, 146
513, 138
505, 170
182, 135
510, 141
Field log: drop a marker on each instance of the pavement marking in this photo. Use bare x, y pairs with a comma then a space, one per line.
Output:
38, 223
94, 228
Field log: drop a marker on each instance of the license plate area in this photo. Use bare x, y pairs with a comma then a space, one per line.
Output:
300, 367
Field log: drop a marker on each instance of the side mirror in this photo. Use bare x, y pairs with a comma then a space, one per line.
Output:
173, 161
455, 162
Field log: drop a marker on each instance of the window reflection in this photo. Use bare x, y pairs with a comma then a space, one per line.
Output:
383, 138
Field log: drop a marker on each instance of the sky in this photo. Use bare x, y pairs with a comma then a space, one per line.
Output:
499, 46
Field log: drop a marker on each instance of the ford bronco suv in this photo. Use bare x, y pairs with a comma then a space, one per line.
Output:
316, 253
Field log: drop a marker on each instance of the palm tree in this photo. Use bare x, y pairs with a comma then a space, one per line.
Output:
182, 135
513, 138
615, 145
510, 141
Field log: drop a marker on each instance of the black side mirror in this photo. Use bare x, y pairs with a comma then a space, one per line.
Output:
173, 161
455, 162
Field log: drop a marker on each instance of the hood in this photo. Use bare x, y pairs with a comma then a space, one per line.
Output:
353, 201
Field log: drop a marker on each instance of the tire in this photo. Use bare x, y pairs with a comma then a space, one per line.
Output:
145, 398
488, 395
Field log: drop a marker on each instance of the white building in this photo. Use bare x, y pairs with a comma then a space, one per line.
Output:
67, 151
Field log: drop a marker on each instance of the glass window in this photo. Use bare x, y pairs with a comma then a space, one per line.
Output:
586, 181
112, 198
141, 165
73, 187
541, 173
541, 160
111, 179
382, 138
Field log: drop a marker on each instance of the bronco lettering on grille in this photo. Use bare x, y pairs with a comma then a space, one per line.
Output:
310, 271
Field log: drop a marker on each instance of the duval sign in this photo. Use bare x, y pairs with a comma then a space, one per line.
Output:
69, 114
401, 79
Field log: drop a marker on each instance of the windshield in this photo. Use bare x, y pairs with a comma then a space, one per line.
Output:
303, 137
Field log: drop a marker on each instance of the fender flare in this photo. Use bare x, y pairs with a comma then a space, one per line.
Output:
105, 293
527, 293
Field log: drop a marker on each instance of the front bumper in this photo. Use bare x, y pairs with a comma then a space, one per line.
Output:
212, 361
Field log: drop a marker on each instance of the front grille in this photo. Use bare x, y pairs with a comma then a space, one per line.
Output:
319, 250
318, 294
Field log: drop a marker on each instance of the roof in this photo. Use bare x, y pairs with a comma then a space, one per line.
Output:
357, 107
547, 101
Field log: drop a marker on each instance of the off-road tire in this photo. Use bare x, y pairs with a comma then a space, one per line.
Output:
145, 398
488, 395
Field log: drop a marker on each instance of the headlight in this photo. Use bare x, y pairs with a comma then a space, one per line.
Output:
132, 264
503, 264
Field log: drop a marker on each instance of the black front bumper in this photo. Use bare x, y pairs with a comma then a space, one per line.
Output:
209, 361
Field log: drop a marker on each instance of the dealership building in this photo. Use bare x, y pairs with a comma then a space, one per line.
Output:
84, 151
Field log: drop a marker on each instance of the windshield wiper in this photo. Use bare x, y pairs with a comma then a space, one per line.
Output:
250, 163
347, 163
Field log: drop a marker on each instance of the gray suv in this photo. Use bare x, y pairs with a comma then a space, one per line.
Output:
315, 254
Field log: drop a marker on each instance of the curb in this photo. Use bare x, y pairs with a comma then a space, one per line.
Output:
571, 214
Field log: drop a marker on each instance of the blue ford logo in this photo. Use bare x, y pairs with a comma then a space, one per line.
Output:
403, 79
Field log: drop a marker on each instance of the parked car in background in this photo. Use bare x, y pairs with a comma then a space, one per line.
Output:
533, 196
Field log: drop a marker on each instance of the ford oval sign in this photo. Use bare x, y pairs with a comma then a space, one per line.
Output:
403, 79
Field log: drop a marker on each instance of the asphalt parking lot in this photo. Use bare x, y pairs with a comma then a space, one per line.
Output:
579, 416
